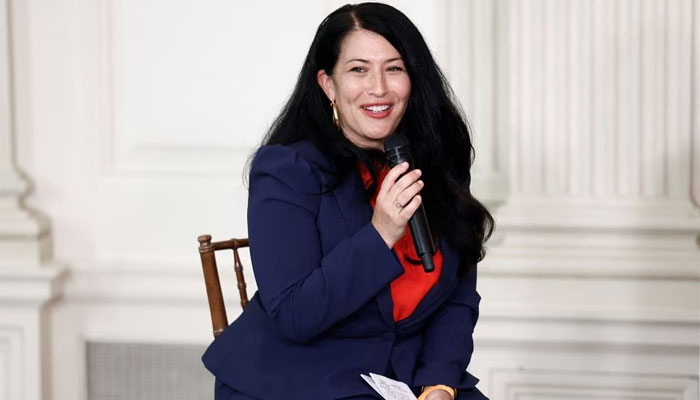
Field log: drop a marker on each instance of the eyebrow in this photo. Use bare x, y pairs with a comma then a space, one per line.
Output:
367, 61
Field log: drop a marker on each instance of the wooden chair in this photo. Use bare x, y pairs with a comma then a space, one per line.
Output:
211, 278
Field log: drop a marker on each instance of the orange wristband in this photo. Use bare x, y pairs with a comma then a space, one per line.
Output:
428, 389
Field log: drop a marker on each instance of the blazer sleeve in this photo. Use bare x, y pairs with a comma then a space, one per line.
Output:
448, 344
302, 290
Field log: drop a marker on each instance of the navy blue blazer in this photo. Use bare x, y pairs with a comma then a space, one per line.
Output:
322, 314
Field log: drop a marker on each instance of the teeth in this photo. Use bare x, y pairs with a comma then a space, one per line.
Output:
377, 108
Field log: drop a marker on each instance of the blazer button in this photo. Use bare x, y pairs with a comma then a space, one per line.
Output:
388, 336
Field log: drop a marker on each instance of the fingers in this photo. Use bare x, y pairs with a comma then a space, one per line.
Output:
398, 180
393, 175
407, 194
407, 212
404, 183
400, 187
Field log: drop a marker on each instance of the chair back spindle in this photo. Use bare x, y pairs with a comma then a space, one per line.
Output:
217, 308
240, 279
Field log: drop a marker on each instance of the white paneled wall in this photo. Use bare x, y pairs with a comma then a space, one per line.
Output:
599, 127
591, 288
601, 103
133, 121
473, 66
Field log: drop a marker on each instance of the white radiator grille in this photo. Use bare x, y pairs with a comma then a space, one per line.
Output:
119, 371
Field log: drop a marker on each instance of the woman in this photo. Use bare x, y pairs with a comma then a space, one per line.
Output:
341, 290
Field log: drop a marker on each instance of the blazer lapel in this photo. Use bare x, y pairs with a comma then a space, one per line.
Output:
357, 211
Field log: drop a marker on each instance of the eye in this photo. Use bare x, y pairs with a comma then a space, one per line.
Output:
395, 68
357, 69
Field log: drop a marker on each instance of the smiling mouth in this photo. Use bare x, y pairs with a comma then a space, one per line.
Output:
377, 109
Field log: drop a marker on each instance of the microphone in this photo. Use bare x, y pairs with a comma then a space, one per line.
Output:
397, 150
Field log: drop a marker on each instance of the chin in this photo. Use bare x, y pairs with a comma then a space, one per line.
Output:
379, 139
380, 135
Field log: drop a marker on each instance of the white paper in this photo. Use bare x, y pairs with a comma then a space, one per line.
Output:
370, 381
389, 388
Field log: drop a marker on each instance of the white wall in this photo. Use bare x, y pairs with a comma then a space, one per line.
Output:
134, 120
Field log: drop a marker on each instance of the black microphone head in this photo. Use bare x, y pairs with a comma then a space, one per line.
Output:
397, 150
397, 139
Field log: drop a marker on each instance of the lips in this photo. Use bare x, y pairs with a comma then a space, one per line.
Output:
377, 110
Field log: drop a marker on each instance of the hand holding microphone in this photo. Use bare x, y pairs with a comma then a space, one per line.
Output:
399, 202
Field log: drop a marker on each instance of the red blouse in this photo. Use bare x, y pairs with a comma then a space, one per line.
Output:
408, 289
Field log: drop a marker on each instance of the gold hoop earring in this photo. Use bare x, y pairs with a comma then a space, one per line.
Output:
336, 120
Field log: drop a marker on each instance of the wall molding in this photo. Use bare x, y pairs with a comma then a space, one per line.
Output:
149, 283
473, 67
32, 286
129, 155
650, 215
558, 98
24, 292
695, 167
570, 317
565, 331
527, 384
11, 354
585, 77
599, 186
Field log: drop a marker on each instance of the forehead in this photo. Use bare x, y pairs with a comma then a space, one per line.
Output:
366, 45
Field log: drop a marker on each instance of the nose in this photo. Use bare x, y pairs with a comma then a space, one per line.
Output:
378, 86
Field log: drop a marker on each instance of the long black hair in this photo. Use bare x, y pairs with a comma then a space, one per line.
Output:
433, 123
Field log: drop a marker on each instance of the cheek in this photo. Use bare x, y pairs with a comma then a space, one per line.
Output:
407, 89
349, 91
402, 88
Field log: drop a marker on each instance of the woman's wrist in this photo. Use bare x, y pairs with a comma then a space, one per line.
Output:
389, 242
